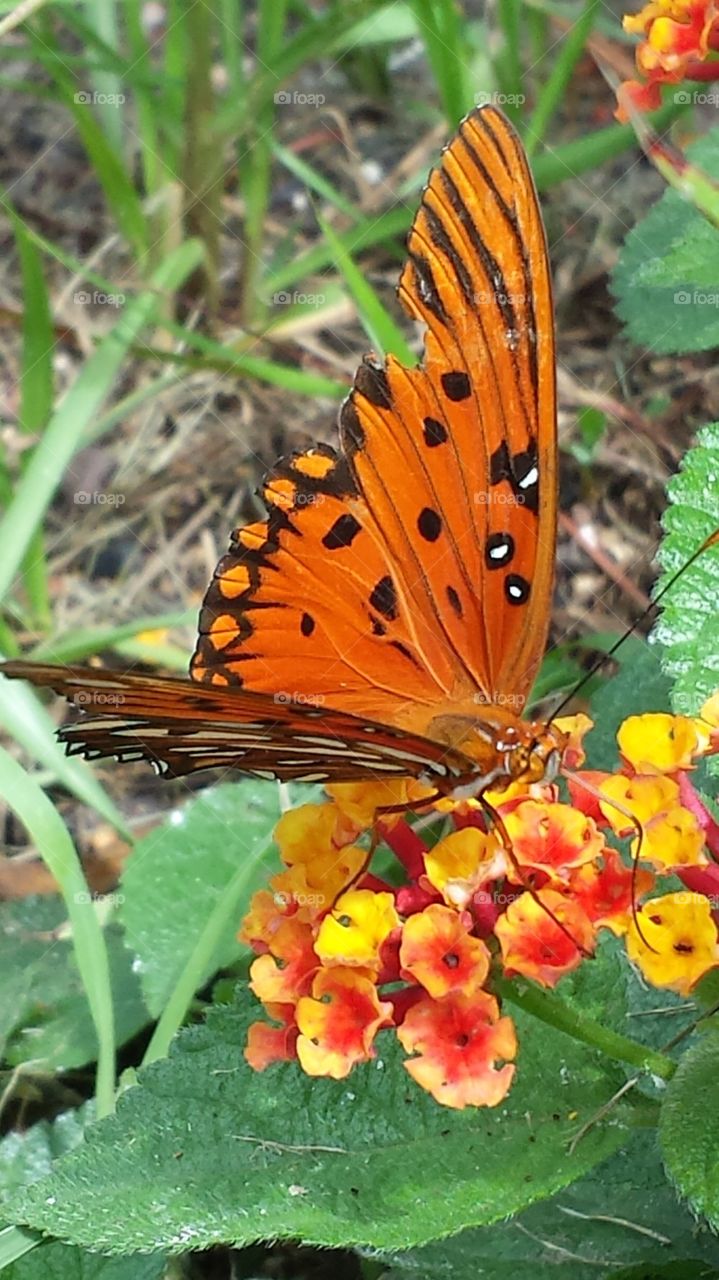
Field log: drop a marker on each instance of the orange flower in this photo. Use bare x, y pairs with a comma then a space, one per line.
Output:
576, 727
284, 982
438, 951
678, 39
267, 1044
460, 1040
675, 941
605, 893
339, 1022
356, 928
263, 919
552, 837
544, 936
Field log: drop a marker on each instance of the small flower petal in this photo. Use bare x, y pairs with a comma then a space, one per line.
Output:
461, 1040
679, 942
355, 929
464, 861
339, 1022
438, 951
544, 936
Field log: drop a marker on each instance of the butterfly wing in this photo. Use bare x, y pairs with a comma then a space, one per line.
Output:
181, 727
411, 574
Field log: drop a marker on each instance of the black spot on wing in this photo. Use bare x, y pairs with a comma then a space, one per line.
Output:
435, 432
455, 601
371, 381
384, 598
456, 386
516, 589
499, 550
307, 624
343, 532
429, 523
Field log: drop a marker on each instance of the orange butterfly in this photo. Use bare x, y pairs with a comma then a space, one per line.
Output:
389, 615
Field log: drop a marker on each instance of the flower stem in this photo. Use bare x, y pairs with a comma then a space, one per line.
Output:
549, 1008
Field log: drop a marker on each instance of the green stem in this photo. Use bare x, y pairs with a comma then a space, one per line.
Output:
549, 1008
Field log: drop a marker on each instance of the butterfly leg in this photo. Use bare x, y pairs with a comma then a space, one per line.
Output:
636, 857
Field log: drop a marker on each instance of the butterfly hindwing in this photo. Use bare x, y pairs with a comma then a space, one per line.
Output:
181, 727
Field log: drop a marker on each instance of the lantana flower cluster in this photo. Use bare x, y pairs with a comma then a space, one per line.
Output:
344, 953
679, 41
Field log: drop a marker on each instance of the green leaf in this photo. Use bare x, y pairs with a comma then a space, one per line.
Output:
688, 628
205, 1151
689, 1127
667, 267
175, 877
622, 1213
28, 1155
63, 1262
44, 1014
640, 686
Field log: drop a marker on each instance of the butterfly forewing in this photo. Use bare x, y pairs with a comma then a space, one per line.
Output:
411, 574
183, 727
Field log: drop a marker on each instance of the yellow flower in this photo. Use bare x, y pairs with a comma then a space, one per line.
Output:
658, 742
677, 943
353, 932
671, 836
462, 862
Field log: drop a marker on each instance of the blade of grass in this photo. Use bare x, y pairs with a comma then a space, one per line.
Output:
257, 162
381, 329
25, 719
52, 839
314, 181
75, 646
66, 430
576, 157
202, 163
36, 397
14, 1242
395, 222
554, 88
217, 355
107, 163
179, 1003
508, 65
107, 85
440, 27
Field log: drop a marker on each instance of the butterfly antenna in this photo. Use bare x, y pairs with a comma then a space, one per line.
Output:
711, 541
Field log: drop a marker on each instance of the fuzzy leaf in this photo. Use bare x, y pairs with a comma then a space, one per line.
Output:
665, 278
205, 1151
689, 1127
688, 628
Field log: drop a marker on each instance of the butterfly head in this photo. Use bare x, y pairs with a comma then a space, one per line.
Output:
531, 752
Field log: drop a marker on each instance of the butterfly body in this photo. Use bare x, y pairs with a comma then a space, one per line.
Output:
388, 616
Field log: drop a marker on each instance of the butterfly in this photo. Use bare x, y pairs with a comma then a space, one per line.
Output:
388, 616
